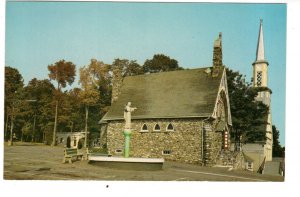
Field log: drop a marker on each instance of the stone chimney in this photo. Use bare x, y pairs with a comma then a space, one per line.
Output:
117, 81
217, 56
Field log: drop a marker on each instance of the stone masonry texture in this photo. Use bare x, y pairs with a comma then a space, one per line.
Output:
184, 144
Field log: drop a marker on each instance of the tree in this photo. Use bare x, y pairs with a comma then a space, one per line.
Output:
26, 130
90, 79
160, 63
128, 67
75, 115
63, 73
38, 98
278, 150
248, 115
13, 86
13, 81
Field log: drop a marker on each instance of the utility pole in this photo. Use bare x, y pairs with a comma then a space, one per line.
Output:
86, 127
55, 125
33, 128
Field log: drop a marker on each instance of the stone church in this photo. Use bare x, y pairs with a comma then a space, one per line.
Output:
181, 115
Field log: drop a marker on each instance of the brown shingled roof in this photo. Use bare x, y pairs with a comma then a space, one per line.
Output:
175, 94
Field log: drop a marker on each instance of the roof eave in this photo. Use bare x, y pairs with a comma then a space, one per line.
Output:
155, 117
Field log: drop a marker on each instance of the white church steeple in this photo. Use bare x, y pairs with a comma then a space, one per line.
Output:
260, 80
260, 66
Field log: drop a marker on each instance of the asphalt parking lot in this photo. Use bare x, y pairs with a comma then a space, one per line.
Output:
26, 161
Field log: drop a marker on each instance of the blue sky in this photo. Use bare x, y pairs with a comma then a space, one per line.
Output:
41, 33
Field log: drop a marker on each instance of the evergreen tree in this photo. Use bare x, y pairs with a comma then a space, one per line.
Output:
248, 115
278, 151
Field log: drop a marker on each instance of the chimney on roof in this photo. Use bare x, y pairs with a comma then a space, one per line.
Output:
217, 56
117, 80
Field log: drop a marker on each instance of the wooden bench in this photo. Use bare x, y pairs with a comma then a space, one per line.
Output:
70, 153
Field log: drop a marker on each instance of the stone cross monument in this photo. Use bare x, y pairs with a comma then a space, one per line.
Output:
127, 129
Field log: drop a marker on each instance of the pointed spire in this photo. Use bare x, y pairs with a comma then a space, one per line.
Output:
260, 51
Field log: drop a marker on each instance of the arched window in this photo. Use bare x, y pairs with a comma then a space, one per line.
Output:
156, 127
170, 127
144, 128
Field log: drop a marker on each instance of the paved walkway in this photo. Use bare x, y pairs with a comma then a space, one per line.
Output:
39, 162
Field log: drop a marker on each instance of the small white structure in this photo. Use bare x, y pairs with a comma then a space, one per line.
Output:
70, 139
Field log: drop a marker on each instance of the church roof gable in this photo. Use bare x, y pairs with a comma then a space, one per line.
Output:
175, 94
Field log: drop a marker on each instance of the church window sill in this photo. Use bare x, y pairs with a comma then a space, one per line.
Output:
146, 131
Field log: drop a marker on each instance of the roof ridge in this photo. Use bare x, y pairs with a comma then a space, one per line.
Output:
172, 71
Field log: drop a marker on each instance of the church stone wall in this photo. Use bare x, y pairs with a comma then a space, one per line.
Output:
213, 147
184, 143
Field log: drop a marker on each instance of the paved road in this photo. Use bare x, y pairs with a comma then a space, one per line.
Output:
39, 162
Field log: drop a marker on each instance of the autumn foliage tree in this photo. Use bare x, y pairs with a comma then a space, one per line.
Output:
54, 109
91, 78
63, 73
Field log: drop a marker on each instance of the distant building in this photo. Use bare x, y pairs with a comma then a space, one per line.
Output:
181, 115
254, 155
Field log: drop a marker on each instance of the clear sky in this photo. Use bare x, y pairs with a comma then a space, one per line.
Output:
41, 33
